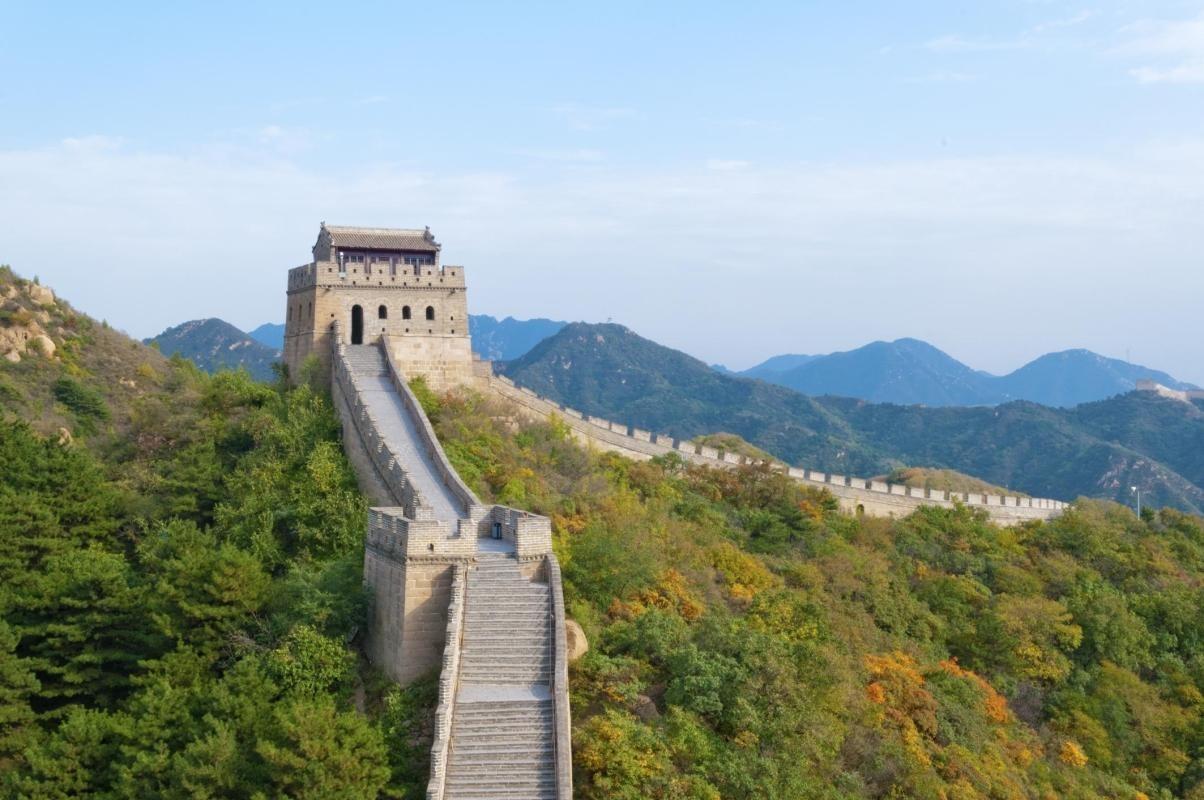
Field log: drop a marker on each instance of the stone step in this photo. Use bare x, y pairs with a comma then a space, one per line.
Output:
509, 678
502, 770
503, 705
468, 722
514, 619
467, 715
514, 644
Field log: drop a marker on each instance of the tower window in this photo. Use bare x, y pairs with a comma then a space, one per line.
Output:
382, 313
405, 312
430, 312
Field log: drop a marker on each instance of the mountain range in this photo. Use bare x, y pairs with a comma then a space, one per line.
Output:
909, 371
1097, 449
215, 344
905, 371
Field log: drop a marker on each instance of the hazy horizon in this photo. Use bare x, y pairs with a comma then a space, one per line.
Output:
1001, 181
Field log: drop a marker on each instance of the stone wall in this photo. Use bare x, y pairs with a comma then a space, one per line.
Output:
449, 676
855, 495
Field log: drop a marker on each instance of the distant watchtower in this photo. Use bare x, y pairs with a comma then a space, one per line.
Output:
382, 285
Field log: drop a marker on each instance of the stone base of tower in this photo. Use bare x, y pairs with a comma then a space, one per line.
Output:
444, 361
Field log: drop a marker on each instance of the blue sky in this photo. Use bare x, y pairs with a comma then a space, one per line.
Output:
999, 178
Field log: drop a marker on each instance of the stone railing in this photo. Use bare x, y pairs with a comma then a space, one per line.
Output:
449, 681
426, 433
874, 497
563, 721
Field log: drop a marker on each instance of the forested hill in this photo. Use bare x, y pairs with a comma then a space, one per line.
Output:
180, 573
1097, 450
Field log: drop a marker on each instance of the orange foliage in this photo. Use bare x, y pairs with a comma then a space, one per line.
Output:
671, 593
995, 704
897, 680
744, 574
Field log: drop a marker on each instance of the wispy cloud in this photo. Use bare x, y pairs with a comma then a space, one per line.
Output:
581, 155
956, 43
588, 118
726, 164
943, 76
1034, 36
1174, 50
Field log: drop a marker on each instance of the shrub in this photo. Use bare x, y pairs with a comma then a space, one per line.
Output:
85, 403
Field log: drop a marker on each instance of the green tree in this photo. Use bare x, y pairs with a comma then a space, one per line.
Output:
17, 686
313, 751
83, 628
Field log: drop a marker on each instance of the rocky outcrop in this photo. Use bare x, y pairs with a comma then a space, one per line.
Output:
575, 642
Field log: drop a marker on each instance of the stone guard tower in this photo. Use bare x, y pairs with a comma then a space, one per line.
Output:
383, 285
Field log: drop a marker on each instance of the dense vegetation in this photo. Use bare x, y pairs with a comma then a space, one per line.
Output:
749, 641
1095, 450
179, 603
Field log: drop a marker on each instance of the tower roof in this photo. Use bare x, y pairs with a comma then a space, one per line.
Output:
382, 238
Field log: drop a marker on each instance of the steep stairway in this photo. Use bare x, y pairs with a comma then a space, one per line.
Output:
502, 742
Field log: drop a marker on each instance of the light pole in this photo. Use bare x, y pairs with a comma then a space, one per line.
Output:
1136, 490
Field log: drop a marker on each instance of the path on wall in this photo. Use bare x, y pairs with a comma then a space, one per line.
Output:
500, 658
371, 378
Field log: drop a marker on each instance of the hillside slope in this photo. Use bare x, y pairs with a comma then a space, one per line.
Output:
1100, 450
62, 371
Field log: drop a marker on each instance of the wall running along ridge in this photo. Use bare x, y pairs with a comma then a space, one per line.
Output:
855, 494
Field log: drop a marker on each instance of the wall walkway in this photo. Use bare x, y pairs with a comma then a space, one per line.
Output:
457, 585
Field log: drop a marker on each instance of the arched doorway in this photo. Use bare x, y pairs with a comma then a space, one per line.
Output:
357, 325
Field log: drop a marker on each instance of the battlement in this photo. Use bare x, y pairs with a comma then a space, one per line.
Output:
329, 274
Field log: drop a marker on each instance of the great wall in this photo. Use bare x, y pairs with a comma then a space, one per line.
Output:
469, 588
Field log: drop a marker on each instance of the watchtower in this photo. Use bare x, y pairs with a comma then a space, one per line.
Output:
383, 285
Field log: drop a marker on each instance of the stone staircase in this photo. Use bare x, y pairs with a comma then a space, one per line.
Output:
502, 741
366, 360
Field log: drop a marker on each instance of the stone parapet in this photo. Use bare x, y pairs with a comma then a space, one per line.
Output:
560, 685
449, 682
426, 433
